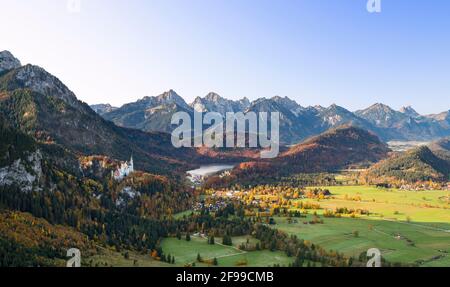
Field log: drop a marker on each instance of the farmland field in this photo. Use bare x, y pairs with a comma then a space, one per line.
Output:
408, 227
185, 253
117, 259
425, 207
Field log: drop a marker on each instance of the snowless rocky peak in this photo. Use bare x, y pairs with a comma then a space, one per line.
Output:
245, 102
103, 108
8, 62
198, 105
213, 97
285, 100
40, 81
212, 102
380, 107
409, 111
171, 97
288, 103
377, 111
319, 108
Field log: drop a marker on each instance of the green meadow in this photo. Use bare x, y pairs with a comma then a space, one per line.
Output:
425, 207
185, 253
113, 258
407, 226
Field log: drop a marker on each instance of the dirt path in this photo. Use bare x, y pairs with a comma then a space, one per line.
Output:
226, 246
419, 225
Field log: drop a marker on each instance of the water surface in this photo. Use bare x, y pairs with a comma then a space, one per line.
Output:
211, 169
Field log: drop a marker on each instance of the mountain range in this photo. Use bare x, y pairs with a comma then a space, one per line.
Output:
36, 104
337, 149
39, 105
297, 123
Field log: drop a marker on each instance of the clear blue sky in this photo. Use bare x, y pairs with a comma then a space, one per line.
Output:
314, 51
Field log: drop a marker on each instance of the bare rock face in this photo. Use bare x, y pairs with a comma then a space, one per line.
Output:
215, 103
24, 173
36, 79
103, 108
8, 62
40, 81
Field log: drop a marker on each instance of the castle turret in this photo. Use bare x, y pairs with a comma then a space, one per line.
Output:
124, 170
131, 164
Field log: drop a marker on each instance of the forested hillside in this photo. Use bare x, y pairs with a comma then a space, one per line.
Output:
419, 164
340, 148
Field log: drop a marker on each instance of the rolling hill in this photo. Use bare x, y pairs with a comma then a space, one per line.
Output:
339, 148
441, 148
442, 145
419, 164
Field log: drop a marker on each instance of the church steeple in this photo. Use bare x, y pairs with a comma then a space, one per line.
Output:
131, 163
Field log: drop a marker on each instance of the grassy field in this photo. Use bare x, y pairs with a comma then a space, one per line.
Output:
406, 226
185, 252
428, 207
117, 259
180, 215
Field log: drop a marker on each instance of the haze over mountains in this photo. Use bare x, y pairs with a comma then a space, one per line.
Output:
296, 123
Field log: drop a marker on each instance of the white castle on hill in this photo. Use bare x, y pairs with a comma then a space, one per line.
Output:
126, 168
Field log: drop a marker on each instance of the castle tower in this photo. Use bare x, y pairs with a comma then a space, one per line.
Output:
131, 164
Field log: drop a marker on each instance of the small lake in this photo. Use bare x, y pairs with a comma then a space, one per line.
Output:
211, 169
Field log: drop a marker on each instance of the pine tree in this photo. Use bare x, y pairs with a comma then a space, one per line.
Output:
227, 240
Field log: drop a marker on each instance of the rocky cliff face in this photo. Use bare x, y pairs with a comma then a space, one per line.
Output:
215, 103
40, 81
409, 111
102, 109
24, 172
8, 62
